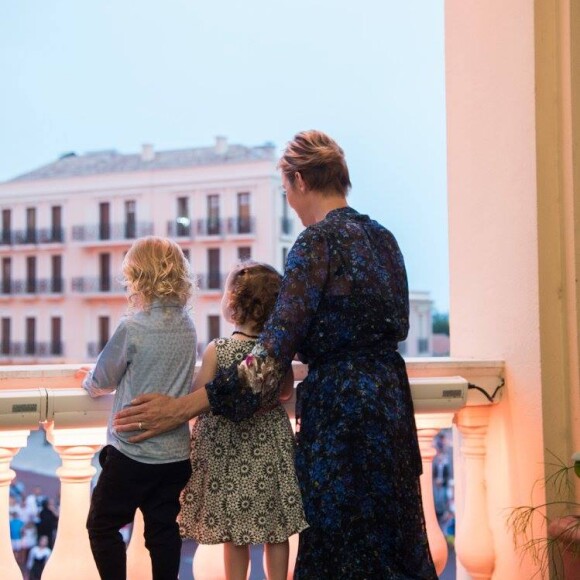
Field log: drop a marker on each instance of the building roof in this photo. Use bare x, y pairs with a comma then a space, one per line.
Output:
111, 161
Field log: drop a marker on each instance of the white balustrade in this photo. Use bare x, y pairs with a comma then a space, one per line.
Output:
428, 426
82, 438
71, 557
10, 443
474, 542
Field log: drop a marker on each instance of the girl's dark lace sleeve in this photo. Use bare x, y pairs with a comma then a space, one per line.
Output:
239, 391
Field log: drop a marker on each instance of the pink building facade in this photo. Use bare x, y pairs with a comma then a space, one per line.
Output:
66, 227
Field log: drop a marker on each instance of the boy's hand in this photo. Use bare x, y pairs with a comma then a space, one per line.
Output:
81, 373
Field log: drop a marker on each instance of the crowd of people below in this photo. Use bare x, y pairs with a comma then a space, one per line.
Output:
33, 524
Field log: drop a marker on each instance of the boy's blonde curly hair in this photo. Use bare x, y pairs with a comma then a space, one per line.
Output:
155, 268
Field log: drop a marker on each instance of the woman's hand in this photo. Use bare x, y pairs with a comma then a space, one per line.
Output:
150, 414
153, 414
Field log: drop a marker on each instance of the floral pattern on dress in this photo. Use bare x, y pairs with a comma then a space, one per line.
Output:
343, 307
243, 488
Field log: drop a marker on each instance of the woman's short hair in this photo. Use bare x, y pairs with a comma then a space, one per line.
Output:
253, 288
319, 160
157, 269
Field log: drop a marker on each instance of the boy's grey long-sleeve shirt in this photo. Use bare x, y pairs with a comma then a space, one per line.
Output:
152, 351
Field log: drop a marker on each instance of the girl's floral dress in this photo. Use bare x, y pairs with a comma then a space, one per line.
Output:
243, 486
343, 307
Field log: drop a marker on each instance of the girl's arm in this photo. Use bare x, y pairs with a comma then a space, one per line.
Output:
287, 386
208, 367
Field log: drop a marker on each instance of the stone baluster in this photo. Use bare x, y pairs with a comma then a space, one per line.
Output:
427, 428
10, 443
138, 558
474, 540
71, 557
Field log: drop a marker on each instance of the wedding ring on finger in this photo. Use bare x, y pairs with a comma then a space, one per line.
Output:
140, 426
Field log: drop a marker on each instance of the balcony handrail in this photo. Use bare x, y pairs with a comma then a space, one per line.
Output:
424, 375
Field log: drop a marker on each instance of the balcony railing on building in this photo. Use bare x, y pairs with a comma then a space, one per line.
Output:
94, 348
49, 397
97, 285
210, 227
32, 286
31, 348
211, 281
117, 232
179, 228
239, 226
51, 235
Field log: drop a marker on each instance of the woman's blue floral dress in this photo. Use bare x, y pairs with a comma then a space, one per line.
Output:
343, 307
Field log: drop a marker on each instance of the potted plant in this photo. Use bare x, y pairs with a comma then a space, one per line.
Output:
561, 547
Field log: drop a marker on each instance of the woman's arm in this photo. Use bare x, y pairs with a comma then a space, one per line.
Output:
208, 367
238, 395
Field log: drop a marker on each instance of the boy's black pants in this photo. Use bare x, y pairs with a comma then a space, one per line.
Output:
123, 486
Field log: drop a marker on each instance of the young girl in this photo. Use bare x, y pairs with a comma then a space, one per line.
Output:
153, 346
243, 489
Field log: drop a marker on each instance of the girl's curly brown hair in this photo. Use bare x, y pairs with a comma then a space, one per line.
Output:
155, 268
253, 289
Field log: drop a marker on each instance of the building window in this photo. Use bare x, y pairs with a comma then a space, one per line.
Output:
213, 327
286, 223
30, 225
244, 253
104, 220
422, 345
244, 226
6, 275
6, 338
105, 272
30, 346
213, 215
56, 335
56, 233
104, 330
183, 220
56, 280
30, 274
6, 226
213, 269
130, 220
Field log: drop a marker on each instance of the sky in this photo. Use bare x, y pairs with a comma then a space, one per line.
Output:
114, 74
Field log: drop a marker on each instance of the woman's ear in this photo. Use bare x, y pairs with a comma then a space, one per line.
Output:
299, 181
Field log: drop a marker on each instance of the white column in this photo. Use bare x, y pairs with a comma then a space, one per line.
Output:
10, 443
474, 541
138, 558
427, 428
71, 557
